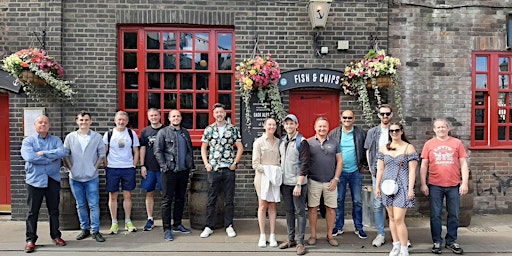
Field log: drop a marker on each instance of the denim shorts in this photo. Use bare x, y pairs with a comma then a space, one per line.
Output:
124, 175
153, 179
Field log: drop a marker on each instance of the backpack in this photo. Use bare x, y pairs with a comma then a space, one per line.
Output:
298, 140
110, 131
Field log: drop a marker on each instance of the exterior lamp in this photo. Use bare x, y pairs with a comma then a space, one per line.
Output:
318, 11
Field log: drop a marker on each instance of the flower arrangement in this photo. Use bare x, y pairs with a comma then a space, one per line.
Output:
260, 75
44, 67
364, 73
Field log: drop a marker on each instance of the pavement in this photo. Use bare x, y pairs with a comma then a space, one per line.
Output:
487, 234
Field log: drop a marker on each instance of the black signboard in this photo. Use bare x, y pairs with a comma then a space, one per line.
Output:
310, 78
258, 115
8, 82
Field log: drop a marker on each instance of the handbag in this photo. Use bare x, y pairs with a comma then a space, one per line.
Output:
389, 187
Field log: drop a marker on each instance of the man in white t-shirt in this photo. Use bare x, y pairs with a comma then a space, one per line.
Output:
122, 157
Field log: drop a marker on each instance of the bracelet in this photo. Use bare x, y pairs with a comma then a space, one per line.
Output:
298, 185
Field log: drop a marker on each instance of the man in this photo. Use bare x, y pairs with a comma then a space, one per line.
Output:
173, 151
295, 160
324, 175
86, 154
123, 155
220, 162
376, 138
444, 159
351, 139
42, 153
149, 168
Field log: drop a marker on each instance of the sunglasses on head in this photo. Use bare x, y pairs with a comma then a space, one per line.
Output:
385, 113
395, 131
347, 117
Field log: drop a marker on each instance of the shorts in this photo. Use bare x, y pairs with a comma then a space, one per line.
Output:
124, 175
153, 179
315, 191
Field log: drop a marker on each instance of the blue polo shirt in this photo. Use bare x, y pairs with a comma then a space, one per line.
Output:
348, 151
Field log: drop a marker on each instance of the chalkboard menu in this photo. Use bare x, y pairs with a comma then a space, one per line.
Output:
259, 112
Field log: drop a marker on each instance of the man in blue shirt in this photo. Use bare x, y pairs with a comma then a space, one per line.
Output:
351, 140
42, 153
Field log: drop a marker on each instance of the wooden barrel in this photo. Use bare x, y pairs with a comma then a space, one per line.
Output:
68, 217
198, 199
466, 204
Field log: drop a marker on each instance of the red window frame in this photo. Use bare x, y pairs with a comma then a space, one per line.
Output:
134, 98
491, 111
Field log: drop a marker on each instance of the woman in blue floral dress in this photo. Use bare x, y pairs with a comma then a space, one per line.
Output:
398, 160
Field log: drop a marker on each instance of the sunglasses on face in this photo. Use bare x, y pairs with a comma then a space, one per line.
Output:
394, 131
347, 117
385, 113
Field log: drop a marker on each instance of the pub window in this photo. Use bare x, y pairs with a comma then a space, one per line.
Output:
167, 68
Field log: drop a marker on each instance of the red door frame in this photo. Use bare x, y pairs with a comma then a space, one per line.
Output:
5, 157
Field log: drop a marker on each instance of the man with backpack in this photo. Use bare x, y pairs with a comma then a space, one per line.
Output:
122, 146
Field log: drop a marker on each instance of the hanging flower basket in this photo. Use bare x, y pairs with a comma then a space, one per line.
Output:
27, 76
380, 81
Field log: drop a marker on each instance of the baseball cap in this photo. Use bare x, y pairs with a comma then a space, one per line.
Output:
292, 117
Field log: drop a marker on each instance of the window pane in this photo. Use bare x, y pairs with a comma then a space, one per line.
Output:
186, 101
153, 60
169, 41
481, 63
503, 63
481, 81
185, 41
504, 81
169, 61
202, 81
130, 60
226, 100
502, 99
501, 133
186, 81
479, 98
225, 41
154, 100
153, 80
133, 122
479, 133
201, 120
202, 40
185, 61
502, 116
169, 81
153, 40
170, 101
131, 100
479, 115
201, 61
225, 61
131, 80
225, 81
187, 120
130, 40
202, 101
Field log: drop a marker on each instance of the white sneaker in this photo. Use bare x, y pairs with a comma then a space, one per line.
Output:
230, 231
379, 240
404, 253
395, 251
273, 241
262, 242
409, 243
206, 232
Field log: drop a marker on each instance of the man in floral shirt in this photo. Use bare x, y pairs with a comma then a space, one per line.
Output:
220, 163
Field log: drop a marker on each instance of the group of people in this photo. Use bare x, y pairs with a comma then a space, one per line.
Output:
305, 172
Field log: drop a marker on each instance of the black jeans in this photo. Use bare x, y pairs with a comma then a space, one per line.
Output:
174, 187
34, 201
224, 179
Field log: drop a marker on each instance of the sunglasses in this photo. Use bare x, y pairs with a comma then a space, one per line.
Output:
347, 117
395, 131
385, 113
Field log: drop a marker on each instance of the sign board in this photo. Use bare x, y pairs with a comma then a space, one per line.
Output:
8, 82
310, 78
258, 115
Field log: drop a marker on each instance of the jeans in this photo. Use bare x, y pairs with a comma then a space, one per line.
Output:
355, 181
437, 195
174, 187
224, 179
379, 210
34, 201
295, 209
87, 193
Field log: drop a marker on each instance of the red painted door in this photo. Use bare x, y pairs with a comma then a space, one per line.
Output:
309, 105
5, 164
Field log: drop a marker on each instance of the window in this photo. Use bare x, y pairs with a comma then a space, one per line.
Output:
492, 100
188, 69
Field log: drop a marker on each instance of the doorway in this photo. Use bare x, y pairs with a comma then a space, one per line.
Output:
5, 162
308, 105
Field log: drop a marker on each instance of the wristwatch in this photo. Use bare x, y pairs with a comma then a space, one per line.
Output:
337, 179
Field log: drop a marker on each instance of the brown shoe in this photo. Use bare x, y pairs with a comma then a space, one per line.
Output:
301, 249
59, 241
30, 247
287, 244
332, 242
312, 241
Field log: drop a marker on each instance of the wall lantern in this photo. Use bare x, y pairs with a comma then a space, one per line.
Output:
318, 11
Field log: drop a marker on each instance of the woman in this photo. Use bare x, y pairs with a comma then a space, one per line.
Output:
265, 161
398, 161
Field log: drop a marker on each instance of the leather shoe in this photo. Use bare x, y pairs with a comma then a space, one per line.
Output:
59, 241
84, 234
30, 247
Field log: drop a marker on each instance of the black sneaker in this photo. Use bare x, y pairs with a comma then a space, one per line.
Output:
98, 237
84, 234
436, 248
455, 247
